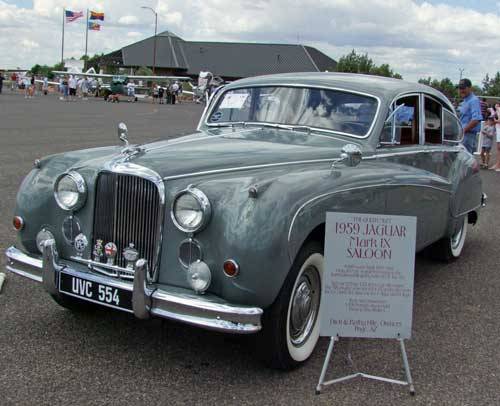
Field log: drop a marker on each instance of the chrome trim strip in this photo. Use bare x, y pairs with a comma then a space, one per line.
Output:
206, 114
244, 168
410, 152
467, 211
356, 188
250, 167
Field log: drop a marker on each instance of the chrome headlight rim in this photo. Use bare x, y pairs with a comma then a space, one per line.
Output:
81, 187
205, 207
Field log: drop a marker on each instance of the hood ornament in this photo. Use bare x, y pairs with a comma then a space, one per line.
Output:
123, 133
129, 150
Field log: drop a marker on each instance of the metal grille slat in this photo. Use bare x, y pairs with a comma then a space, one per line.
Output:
127, 211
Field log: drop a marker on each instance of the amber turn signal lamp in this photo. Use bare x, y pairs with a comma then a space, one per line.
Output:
231, 268
18, 223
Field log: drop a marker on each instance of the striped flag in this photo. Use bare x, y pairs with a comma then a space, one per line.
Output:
94, 15
94, 26
72, 15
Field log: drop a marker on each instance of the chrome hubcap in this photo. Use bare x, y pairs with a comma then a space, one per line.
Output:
305, 306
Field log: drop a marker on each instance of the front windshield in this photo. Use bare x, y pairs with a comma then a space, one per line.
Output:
332, 110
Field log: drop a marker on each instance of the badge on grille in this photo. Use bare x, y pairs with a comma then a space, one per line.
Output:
110, 250
81, 244
98, 251
131, 255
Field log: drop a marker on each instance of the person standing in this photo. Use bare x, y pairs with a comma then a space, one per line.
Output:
174, 90
496, 167
72, 83
32, 86
2, 78
488, 132
13, 81
45, 86
470, 115
161, 91
84, 86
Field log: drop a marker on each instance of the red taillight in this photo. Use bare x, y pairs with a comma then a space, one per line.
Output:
18, 223
231, 268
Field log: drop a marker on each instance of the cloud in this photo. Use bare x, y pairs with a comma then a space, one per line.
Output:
134, 34
128, 20
416, 38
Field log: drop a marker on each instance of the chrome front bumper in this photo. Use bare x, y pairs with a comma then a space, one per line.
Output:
205, 311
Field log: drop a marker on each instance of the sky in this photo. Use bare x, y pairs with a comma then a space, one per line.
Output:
417, 38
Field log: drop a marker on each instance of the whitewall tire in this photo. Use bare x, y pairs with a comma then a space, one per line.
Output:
291, 325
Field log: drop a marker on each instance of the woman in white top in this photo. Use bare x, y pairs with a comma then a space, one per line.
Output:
496, 167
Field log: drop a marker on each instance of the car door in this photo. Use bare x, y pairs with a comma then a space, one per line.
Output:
416, 189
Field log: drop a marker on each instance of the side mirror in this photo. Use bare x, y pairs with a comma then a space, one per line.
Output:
351, 155
123, 133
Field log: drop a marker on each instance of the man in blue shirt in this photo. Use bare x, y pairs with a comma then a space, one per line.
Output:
470, 114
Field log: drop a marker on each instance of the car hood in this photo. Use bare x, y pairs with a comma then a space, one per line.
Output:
227, 149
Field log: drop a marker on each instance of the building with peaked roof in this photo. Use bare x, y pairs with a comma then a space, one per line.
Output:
230, 60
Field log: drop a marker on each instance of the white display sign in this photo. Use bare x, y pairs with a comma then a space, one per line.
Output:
368, 279
233, 100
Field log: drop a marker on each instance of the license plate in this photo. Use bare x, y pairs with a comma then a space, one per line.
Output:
96, 292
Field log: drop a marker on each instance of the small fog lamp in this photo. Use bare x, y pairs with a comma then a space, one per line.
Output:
199, 276
42, 236
18, 223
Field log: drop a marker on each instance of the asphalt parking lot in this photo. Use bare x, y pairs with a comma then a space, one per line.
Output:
51, 356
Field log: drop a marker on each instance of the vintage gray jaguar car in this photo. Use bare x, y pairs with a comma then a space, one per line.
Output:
224, 229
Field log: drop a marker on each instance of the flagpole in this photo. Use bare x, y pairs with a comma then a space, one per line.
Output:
86, 41
62, 42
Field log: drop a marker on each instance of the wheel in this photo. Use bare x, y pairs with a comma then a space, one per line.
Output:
74, 304
449, 248
291, 325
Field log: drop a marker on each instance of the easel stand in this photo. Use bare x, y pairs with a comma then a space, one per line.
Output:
322, 382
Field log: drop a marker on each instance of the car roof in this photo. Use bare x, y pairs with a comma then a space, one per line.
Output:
384, 88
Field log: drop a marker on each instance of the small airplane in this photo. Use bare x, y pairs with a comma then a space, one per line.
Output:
121, 84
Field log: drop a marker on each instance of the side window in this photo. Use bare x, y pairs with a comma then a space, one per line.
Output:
452, 130
403, 126
433, 126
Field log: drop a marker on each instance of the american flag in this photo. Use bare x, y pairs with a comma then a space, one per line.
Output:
73, 15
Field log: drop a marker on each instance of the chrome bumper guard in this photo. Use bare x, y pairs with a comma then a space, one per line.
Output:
205, 311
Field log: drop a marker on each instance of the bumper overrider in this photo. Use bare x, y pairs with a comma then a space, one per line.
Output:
205, 311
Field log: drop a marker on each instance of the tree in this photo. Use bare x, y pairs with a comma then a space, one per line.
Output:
362, 63
92, 61
491, 86
444, 85
45, 70
144, 71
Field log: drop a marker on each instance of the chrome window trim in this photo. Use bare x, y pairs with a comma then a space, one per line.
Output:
459, 125
355, 188
206, 113
205, 206
80, 185
129, 168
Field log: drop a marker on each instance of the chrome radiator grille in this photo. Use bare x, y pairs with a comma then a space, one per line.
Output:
127, 210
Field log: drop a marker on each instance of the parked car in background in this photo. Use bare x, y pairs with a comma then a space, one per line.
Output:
224, 229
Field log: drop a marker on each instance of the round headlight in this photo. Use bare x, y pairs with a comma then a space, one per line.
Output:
70, 191
191, 210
